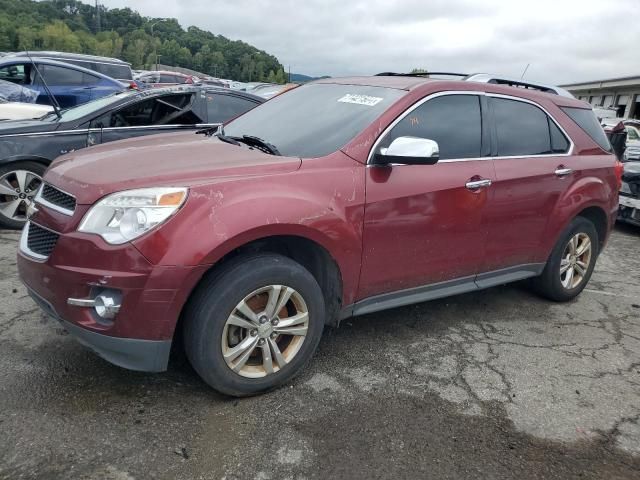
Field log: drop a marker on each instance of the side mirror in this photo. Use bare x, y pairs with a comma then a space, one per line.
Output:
409, 151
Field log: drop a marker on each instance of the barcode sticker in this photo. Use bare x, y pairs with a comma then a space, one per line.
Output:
360, 99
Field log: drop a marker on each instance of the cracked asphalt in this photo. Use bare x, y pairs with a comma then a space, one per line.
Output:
488, 385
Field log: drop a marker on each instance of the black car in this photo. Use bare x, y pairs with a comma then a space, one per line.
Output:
629, 198
28, 147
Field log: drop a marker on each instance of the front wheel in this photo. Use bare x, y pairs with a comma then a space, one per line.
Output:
19, 183
254, 324
571, 263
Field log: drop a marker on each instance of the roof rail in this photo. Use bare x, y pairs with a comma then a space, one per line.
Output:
420, 74
488, 78
512, 82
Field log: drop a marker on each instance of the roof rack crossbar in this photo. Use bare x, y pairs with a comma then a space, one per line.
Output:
512, 82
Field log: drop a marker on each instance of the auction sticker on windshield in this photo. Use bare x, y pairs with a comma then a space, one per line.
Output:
360, 99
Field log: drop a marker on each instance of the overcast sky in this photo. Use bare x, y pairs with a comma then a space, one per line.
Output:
563, 40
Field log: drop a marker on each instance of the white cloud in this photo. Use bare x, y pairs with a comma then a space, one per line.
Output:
563, 40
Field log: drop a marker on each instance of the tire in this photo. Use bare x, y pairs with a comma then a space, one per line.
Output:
550, 284
208, 335
10, 179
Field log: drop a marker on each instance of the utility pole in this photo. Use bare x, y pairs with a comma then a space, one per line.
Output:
155, 46
98, 26
289, 79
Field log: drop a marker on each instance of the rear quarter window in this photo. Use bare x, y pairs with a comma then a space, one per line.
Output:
587, 121
222, 108
119, 72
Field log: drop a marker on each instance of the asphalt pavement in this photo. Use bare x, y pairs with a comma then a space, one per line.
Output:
489, 385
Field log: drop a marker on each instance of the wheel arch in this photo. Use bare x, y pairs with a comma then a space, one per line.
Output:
598, 217
307, 252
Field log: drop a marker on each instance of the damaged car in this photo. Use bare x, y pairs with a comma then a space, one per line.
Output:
341, 197
629, 211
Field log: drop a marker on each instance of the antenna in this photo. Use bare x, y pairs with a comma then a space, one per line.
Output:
98, 26
54, 102
525, 71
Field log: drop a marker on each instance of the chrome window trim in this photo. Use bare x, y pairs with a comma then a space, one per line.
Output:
42, 201
456, 160
157, 127
24, 244
43, 134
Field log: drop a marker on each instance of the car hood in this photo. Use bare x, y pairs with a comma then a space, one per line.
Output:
179, 159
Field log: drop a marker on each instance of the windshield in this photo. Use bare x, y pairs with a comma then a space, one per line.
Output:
314, 120
78, 112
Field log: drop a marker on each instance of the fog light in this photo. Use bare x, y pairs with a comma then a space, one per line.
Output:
106, 306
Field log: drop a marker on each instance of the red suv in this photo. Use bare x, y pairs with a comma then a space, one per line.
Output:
338, 198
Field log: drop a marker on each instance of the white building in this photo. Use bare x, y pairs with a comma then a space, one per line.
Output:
620, 93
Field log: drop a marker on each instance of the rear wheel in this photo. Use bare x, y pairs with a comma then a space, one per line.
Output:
19, 183
253, 325
571, 263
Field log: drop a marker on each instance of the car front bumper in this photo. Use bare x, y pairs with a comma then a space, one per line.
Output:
629, 210
129, 353
80, 267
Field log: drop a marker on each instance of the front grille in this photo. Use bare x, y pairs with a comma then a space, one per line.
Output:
58, 198
41, 241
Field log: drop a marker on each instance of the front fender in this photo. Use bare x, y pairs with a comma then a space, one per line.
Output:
322, 203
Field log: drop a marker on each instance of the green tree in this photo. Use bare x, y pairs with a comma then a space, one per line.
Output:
57, 36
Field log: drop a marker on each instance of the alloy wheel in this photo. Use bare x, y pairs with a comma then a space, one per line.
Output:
17, 189
575, 261
265, 331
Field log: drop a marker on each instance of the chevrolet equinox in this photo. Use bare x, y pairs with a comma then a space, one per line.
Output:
338, 198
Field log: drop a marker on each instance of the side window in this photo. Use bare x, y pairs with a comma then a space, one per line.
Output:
55, 75
169, 109
17, 73
454, 121
632, 134
89, 80
559, 143
522, 128
150, 78
587, 121
221, 108
167, 78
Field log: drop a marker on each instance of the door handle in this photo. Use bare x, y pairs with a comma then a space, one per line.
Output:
476, 184
562, 171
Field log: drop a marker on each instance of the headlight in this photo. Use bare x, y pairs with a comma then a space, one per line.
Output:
124, 216
625, 188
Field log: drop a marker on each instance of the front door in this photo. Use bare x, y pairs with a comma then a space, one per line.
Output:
425, 224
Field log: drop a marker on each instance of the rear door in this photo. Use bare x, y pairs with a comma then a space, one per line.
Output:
533, 169
423, 224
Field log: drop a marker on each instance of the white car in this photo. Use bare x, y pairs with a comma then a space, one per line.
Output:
23, 111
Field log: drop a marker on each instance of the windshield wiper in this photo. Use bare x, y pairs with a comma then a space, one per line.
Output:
258, 143
226, 139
